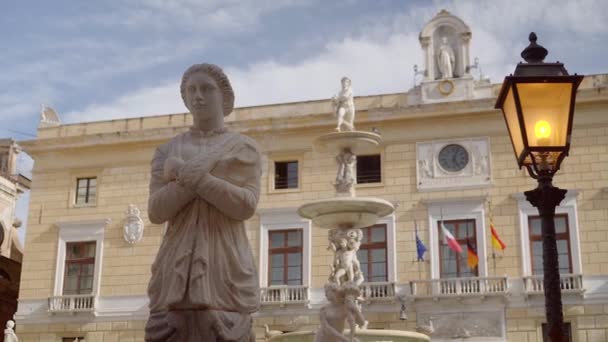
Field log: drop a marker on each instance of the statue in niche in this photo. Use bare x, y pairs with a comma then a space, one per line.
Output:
205, 183
445, 59
9, 332
344, 107
345, 179
342, 308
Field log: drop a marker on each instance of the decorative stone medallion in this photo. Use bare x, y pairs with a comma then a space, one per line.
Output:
133, 229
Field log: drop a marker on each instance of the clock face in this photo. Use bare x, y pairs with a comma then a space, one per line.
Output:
453, 158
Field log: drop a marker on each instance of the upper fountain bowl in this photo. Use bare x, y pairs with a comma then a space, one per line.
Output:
359, 142
346, 212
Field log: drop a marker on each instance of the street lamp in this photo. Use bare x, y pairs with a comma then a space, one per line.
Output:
537, 102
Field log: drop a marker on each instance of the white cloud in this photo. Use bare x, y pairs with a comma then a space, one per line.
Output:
162, 99
378, 59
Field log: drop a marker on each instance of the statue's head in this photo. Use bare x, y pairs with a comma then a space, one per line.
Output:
444, 40
345, 82
10, 324
206, 90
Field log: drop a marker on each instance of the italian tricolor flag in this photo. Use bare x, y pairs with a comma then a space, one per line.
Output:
449, 239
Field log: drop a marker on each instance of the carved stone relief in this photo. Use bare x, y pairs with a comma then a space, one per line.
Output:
133, 229
453, 164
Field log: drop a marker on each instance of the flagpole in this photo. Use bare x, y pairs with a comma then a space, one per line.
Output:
491, 222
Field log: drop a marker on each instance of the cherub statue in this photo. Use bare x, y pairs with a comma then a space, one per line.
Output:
344, 106
346, 263
9, 333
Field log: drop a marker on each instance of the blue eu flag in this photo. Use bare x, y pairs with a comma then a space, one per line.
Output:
420, 248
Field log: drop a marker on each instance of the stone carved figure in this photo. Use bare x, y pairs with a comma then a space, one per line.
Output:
346, 266
133, 229
205, 183
345, 179
445, 59
342, 308
344, 107
9, 332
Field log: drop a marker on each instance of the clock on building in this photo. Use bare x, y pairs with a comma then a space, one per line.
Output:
453, 157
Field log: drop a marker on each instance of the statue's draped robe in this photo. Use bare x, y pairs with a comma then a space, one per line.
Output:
446, 59
205, 264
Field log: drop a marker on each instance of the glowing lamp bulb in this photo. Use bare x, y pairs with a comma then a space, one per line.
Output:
542, 130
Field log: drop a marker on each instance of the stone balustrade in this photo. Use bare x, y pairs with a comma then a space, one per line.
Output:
378, 291
569, 283
459, 287
72, 303
285, 294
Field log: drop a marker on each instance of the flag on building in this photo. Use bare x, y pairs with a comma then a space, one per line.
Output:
472, 258
496, 241
420, 247
449, 239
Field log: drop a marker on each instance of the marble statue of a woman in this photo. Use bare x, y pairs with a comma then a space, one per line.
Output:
205, 183
445, 59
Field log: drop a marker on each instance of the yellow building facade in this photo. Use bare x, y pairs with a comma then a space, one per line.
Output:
445, 157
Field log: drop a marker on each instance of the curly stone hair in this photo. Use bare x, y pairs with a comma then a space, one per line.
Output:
220, 78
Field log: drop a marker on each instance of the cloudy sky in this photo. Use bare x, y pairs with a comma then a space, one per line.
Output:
97, 60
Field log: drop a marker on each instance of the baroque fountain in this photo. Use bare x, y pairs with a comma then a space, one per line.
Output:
344, 215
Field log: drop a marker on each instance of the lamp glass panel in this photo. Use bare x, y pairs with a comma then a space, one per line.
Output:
546, 110
510, 112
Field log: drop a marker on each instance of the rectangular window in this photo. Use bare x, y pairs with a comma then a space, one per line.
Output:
452, 264
286, 175
372, 254
86, 190
567, 332
369, 169
562, 237
285, 257
79, 268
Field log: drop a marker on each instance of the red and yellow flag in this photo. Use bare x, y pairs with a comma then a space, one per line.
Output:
472, 258
496, 241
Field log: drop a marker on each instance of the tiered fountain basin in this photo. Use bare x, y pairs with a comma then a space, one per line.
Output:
368, 335
359, 142
346, 212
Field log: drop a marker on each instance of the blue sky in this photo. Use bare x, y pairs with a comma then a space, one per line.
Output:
98, 60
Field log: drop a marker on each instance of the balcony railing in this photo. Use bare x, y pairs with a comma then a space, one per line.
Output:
459, 287
282, 295
569, 283
72, 303
378, 291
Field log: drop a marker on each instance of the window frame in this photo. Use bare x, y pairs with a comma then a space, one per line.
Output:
283, 157
282, 219
459, 257
380, 171
79, 262
567, 206
557, 235
79, 231
457, 209
88, 199
285, 250
297, 181
376, 245
73, 194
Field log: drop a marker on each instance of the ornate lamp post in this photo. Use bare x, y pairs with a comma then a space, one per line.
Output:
537, 102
